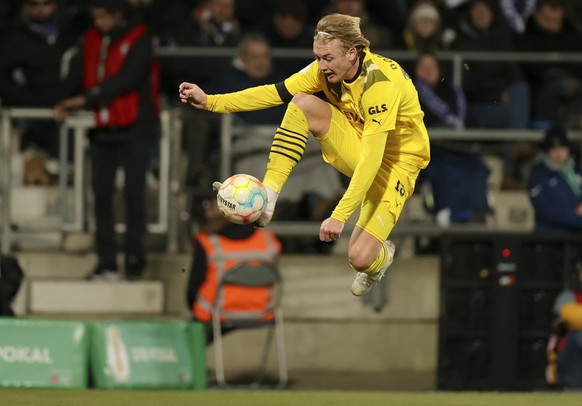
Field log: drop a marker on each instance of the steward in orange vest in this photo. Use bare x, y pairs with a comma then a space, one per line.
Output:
223, 253
218, 247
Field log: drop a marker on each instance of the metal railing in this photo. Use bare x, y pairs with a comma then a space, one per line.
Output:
79, 123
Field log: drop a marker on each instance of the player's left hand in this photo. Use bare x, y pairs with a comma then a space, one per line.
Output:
330, 230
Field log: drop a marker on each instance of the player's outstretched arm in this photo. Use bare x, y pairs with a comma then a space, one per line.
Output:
191, 93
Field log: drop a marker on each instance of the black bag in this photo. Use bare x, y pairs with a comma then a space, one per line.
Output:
10, 279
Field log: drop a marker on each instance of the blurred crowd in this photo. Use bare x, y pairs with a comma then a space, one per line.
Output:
499, 94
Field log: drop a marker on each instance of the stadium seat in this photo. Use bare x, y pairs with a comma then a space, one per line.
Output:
251, 275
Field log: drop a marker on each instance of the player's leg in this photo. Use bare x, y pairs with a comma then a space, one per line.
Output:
369, 251
305, 114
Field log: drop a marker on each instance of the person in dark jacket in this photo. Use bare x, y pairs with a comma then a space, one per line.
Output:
115, 75
457, 173
554, 85
497, 95
253, 66
555, 187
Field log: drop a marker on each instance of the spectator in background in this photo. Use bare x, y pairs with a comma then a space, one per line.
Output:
210, 24
219, 246
497, 94
379, 35
457, 173
423, 28
288, 28
555, 85
30, 72
115, 75
253, 66
443, 102
555, 186
565, 345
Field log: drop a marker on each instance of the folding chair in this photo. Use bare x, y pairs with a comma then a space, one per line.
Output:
251, 275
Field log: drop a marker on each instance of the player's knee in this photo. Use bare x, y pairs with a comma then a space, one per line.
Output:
305, 102
359, 259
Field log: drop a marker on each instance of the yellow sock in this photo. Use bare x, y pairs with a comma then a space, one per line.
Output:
380, 262
287, 147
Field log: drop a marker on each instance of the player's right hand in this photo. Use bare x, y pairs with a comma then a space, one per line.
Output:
264, 220
191, 93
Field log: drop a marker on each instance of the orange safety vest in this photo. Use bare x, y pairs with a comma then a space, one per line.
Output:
223, 254
124, 109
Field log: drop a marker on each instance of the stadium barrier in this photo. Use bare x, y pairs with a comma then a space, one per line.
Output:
44, 354
116, 354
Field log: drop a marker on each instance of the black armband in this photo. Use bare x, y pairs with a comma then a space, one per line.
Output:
283, 92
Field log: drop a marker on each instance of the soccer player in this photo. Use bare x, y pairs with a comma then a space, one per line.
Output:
371, 130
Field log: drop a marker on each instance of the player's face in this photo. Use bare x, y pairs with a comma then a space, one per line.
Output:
335, 63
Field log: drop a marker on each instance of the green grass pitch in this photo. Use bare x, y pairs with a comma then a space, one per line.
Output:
34, 397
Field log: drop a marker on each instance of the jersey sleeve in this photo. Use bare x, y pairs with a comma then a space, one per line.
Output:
251, 99
307, 80
263, 97
380, 107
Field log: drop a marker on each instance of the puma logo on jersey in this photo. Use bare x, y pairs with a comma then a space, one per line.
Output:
376, 121
380, 219
377, 109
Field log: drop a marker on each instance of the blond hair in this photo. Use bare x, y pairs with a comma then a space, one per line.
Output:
342, 27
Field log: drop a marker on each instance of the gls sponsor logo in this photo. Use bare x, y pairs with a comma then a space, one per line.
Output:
377, 109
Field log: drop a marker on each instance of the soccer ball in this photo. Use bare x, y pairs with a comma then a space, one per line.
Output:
242, 199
